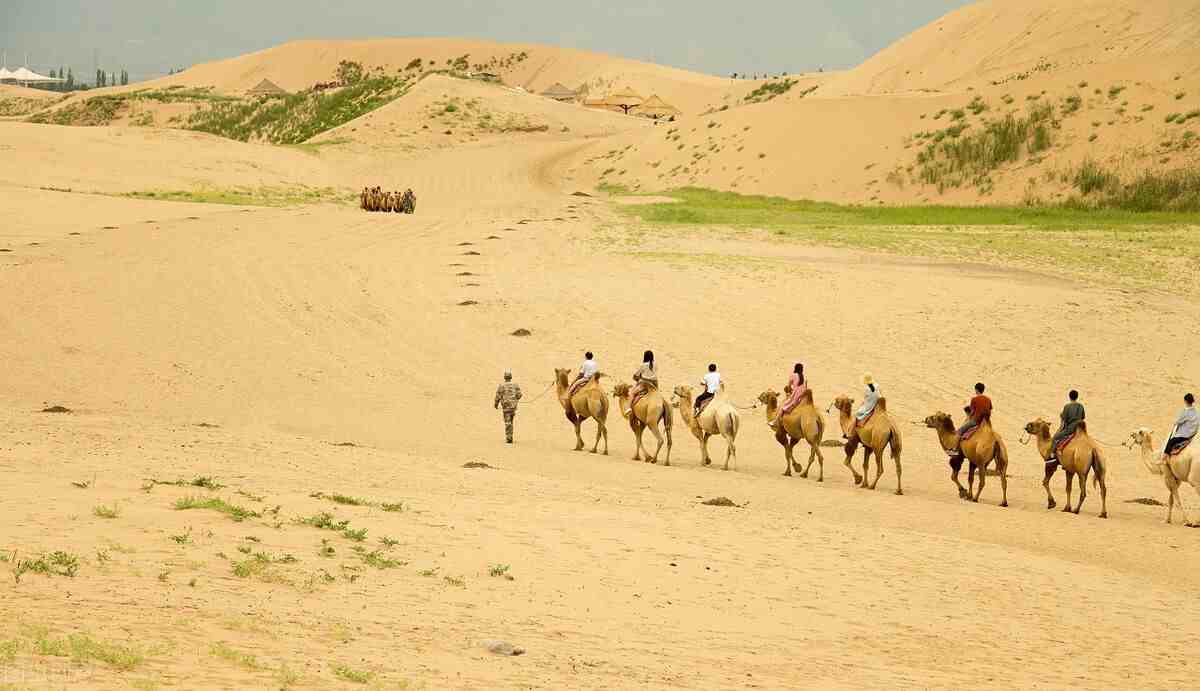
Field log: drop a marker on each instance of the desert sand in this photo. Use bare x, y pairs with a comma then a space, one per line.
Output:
304, 353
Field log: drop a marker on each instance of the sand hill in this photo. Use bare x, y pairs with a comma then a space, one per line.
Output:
1117, 78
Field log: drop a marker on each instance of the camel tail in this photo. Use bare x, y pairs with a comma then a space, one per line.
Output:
896, 443
1098, 462
733, 424
668, 419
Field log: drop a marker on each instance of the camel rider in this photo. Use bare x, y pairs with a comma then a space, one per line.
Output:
508, 395
1072, 414
870, 401
979, 410
1186, 426
712, 384
645, 379
587, 371
796, 389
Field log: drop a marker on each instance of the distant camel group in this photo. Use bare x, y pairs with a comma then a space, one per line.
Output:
375, 199
1080, 455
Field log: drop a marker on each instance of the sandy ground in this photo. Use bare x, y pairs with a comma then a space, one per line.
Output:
289, 332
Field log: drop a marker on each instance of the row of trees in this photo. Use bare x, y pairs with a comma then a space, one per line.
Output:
69, 83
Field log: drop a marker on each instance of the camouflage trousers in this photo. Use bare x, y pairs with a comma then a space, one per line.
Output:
508, 424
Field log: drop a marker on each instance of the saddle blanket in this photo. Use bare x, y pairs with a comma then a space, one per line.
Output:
863, 422
1063, 444
1179, 447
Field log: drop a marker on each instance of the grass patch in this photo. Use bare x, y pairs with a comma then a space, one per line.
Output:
229, 654
103, 511
343, 499
237, 513
250, 196
352, 675
82, 648
770, 90
257, 564
376, 559
966, 158
296, 118
209, 483
1150, 191
53, 564
1096, 242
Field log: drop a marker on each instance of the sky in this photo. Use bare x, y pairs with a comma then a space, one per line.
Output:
150, 37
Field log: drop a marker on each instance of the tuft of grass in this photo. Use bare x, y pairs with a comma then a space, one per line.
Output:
82, 648
237, 513
770, 90
103, 511
358, 535
392, 508
388, 542
342, 499
967, 158
352, 675
183, 538
55, 564
456, 581
376, 559
500, 571
229, 654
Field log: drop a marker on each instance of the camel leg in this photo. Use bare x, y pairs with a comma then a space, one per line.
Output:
982, 482
659, 438
1186, 519
793, 463
670, 443
1050, 470
1070, 481
866, 467
816, 450
812, 457
788, 461
849, 466
638, 429
970, 481
1002, 468
705, 460
604, 433
730, 452
1082, 489
1103, 494
1170, 504
963, 492
878, 467
578, 435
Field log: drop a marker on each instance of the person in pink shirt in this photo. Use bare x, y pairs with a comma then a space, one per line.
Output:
796, 388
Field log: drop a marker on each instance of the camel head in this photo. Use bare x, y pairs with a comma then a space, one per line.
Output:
1038, 428
939, 421
844, 404
683, 391
1140, 436
562, 376
768, 398
621, 390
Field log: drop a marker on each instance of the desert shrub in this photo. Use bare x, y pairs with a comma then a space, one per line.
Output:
349, 73
770, 90
953, 158
1151, 190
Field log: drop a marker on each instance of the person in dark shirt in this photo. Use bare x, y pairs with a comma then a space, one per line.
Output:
1072, 414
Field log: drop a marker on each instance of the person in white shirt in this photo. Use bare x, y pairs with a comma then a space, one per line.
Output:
1186, 426
587, 371
712, 384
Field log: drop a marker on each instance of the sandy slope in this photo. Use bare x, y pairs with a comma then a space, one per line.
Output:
292, 330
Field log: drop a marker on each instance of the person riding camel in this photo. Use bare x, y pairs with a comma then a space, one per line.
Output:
979, 410
1072, 414
645, 379
1186, 426
712, 384
864, 412
797, 388
587, 372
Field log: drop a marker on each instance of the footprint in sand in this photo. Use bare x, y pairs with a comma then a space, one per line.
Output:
467, 303
472, 253
465, 244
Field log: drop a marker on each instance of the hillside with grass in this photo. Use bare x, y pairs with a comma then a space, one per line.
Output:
989, 105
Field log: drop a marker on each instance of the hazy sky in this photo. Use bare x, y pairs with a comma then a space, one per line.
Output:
148, 37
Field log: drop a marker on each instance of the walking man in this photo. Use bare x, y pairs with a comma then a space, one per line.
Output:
507, 396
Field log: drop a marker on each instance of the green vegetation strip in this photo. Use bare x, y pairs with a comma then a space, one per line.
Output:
250, 196
1097, 243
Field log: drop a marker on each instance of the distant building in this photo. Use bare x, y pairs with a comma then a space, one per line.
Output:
266, 89
558, 92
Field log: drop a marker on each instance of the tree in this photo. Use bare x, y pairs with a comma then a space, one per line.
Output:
70, 79
349, 72
124, 77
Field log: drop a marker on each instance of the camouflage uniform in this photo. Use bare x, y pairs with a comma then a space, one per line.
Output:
507, 396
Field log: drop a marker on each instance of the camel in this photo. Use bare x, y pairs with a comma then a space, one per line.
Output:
588, 402
983, 447
1078, 457
878, 434
806, 423
719, 417
1175, 471
646, 414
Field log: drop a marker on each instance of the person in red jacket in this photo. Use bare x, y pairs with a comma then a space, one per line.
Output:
979, 410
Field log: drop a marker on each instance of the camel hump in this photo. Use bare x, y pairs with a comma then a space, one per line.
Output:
882, 404
1081, 427
807, 397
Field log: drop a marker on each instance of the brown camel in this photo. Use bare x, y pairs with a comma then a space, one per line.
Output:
718, 417
878, 434
362, 198
588, 402
1078, 457
804, 422
983, 447
647, 413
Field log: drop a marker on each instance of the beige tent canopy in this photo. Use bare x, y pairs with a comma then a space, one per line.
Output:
558, 92
625, 100
267, 88
655, 107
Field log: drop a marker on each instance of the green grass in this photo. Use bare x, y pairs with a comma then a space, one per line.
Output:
237, 657
314, 148
103, 511
53, 564
1101, 242
237, 513
352, 675
770, 90
82, 648
966, 156
250, 196
296, 118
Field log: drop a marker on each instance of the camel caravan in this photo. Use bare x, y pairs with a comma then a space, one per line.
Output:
793, 418
375, 199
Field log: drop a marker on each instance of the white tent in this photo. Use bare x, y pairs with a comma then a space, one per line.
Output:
26, 76
5, 73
